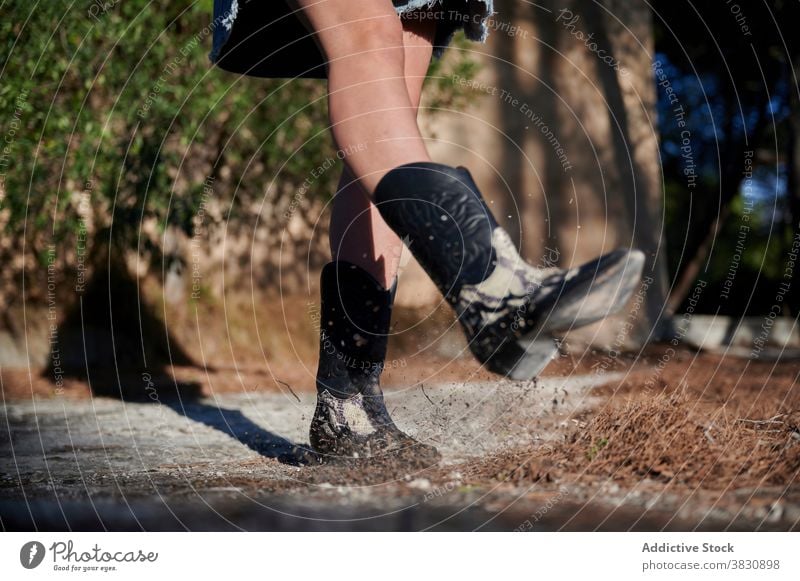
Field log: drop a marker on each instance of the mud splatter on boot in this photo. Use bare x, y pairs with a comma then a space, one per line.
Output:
351, 418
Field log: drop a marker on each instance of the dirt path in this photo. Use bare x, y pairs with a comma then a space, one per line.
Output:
229, 462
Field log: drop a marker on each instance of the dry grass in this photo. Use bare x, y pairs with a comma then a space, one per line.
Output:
674, 438
736, 426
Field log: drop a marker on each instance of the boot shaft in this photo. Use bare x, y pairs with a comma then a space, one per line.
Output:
355, 321
441, 212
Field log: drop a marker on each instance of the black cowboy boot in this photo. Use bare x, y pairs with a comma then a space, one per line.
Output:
509, 310
351, 418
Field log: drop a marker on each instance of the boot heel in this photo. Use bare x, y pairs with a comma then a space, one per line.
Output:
523, 359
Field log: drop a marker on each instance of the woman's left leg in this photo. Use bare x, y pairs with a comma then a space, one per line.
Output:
356, 308
358, 234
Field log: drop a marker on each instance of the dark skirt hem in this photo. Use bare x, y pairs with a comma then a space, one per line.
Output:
265, 38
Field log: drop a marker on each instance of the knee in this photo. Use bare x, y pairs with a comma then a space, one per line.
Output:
374, 39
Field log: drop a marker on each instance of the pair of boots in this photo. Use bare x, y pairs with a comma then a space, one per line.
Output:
509, 310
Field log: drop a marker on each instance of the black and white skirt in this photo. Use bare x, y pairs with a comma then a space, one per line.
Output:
265, 38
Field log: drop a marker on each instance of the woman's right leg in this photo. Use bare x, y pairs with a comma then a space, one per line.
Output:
358, 234
372, 116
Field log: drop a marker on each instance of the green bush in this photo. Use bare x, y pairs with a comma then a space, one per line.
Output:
114, 122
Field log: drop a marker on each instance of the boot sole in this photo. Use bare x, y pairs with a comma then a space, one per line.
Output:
523, 359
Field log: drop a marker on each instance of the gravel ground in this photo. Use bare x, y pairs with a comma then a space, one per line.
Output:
231, 462
120, 459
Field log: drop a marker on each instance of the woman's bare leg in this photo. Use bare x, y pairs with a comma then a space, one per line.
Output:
509, 310
371, 113
358, 234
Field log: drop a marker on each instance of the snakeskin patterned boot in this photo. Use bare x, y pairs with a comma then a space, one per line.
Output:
509, 310
351, 418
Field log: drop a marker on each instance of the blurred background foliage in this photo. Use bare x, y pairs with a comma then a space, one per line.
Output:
121, 102
734, 69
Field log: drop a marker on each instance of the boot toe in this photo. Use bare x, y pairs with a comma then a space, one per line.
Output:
595, 290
